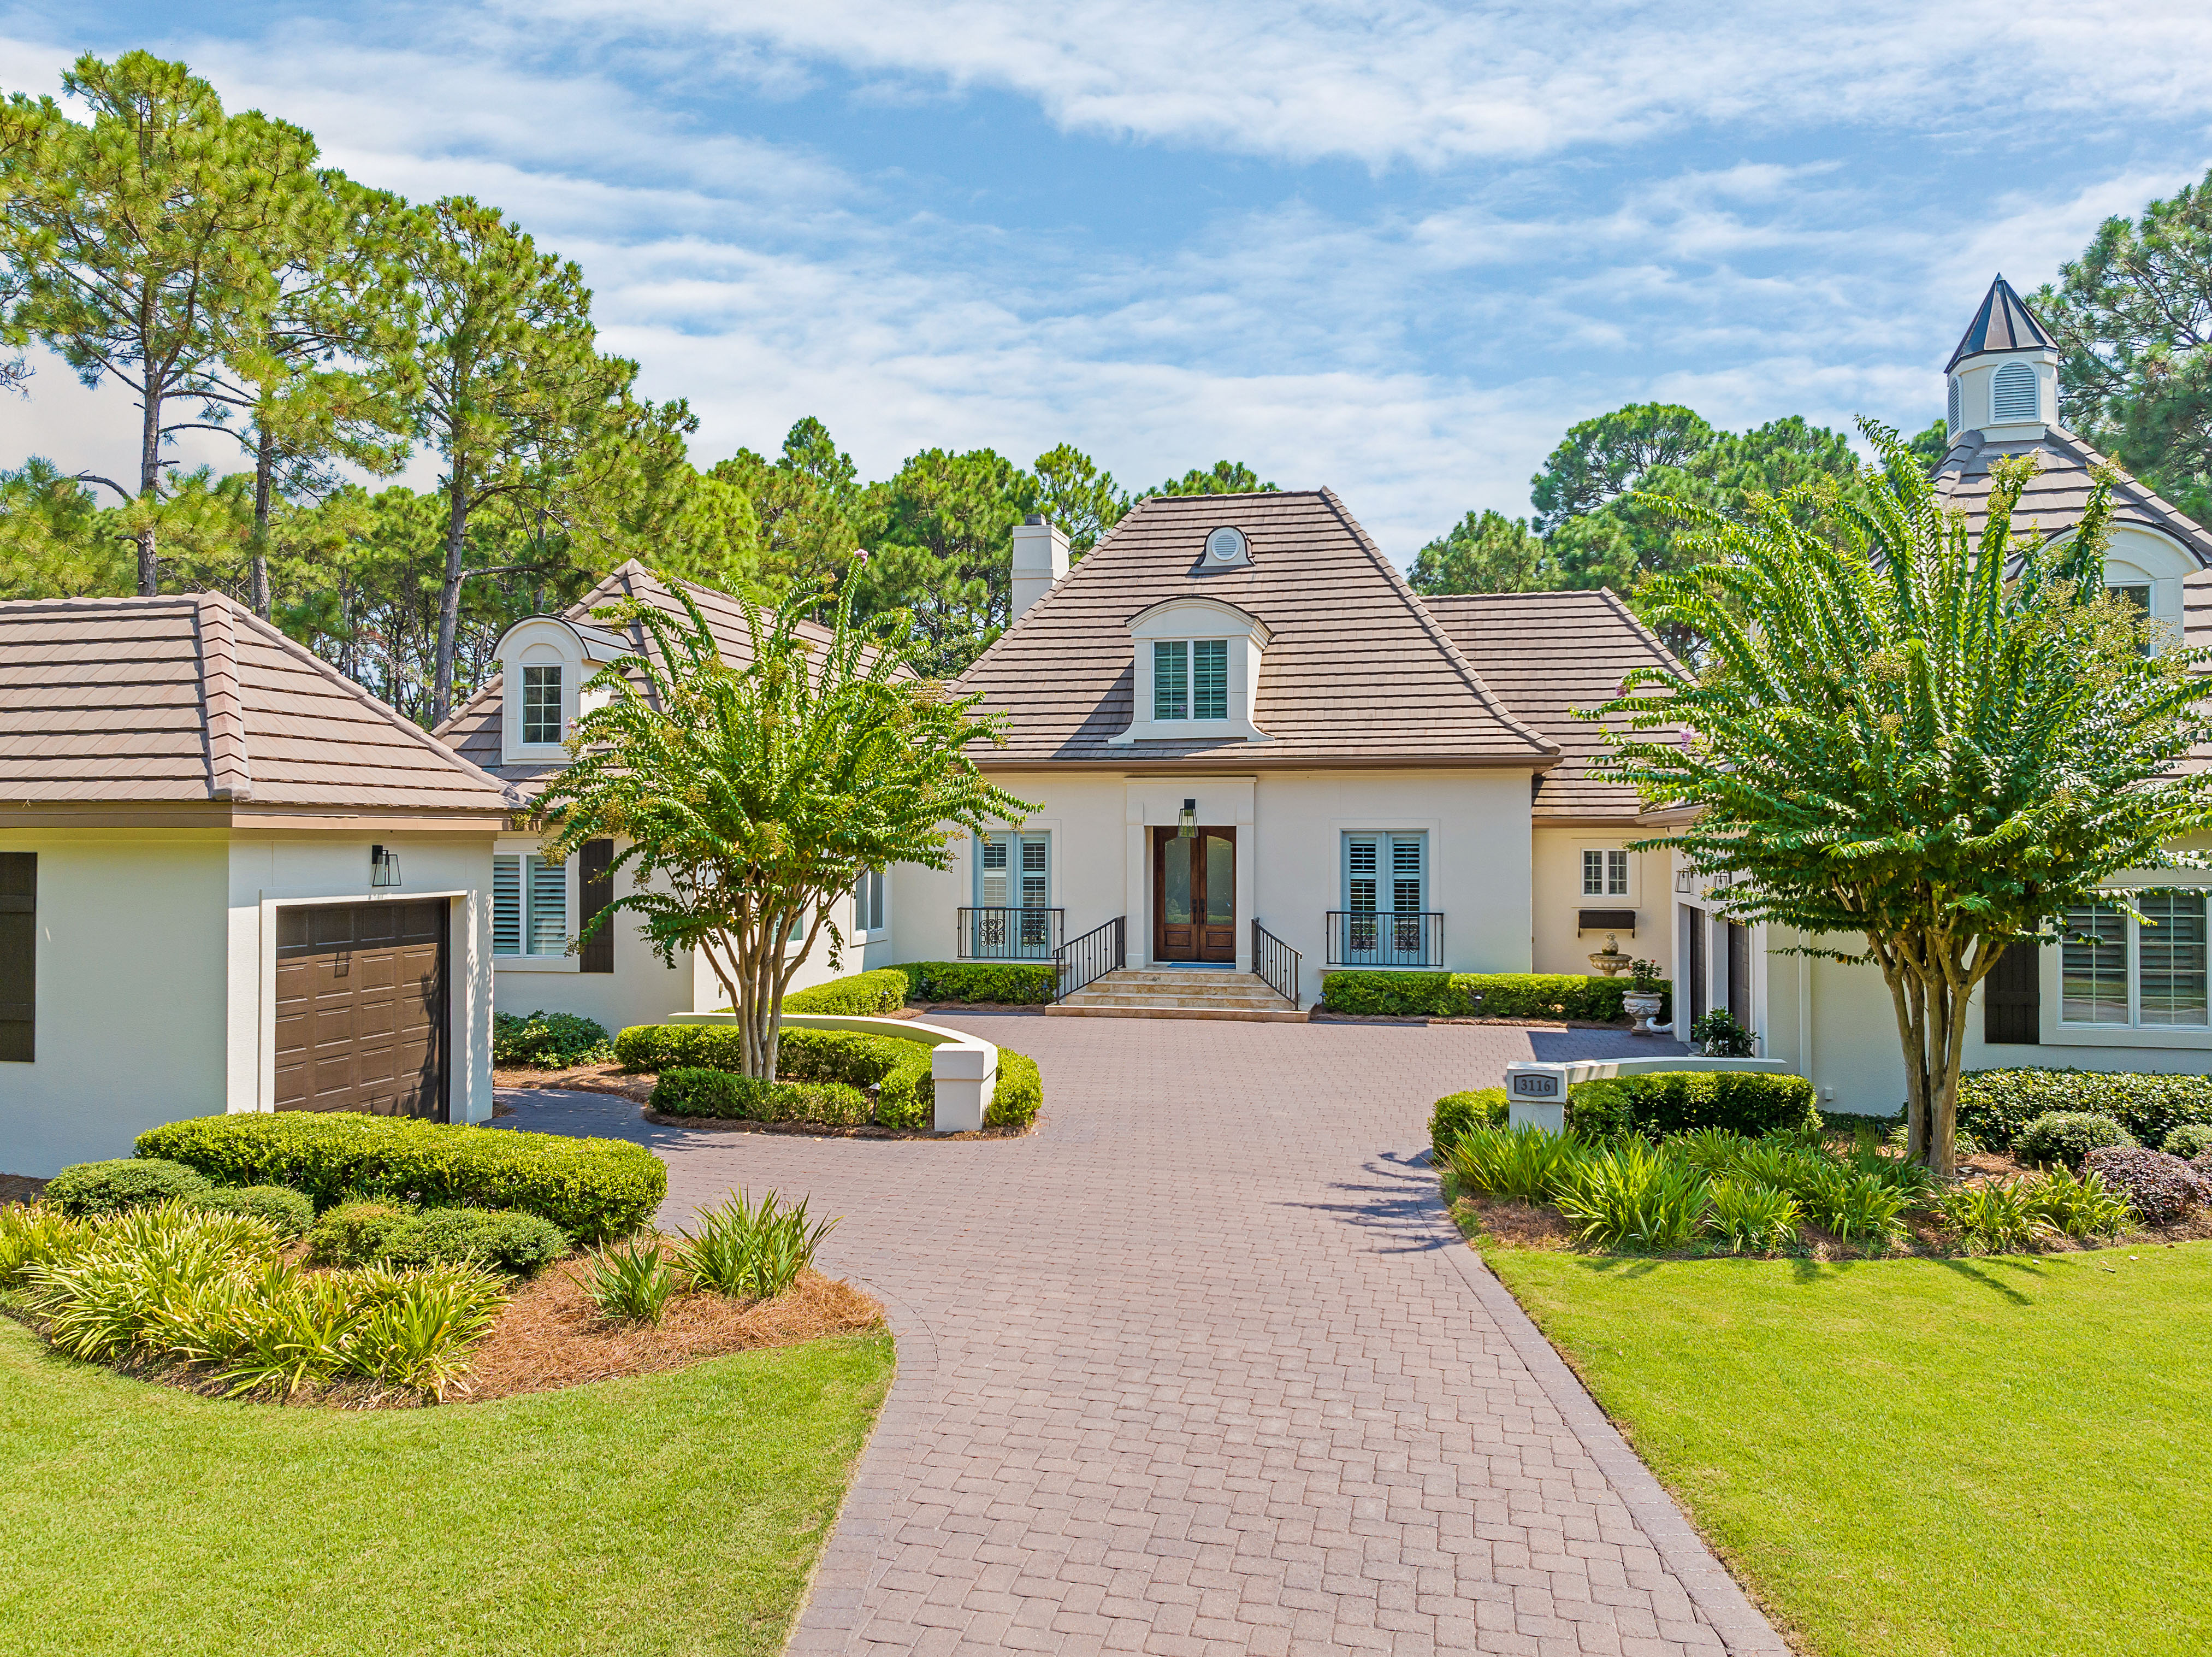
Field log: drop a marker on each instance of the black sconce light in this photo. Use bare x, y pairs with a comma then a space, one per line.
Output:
1189, 821
383, 866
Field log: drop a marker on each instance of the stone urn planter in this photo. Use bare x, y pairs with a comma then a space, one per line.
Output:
1643, 1006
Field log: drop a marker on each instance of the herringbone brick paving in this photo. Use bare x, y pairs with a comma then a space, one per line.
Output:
1202, 1367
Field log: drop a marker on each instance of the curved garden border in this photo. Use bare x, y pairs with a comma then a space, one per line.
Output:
964, 1069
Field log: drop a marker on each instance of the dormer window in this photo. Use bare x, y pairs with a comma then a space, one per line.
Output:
1190, 679
541, 704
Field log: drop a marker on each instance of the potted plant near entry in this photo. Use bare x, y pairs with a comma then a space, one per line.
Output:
1718, 1035
1643, 997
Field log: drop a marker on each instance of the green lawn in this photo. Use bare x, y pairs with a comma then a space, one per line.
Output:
679, 1513
1918, 1456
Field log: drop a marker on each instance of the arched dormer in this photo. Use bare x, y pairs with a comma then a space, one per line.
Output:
543, 662
1197, 663
2004, 377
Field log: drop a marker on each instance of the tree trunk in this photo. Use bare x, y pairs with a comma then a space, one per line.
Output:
449, 597
1930, 1005
264, 469
149, 482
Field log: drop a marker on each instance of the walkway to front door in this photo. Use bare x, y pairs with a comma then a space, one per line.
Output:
1195, 895
1202, 1366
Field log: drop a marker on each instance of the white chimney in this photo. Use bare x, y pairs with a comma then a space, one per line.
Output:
1039, 559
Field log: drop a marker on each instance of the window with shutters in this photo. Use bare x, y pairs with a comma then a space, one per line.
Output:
868, 901
529, 906
1014, 871
541, 704
1605, 873
1957, 414
1171, 678
1386, 874
595, 891
2147, 974
507, 905
1190, 679
2013, 395
19, 956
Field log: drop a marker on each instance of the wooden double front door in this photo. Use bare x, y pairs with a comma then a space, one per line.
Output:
1195, 895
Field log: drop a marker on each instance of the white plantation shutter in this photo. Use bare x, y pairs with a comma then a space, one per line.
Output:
1014, 871
1386, 872
548, 894
507, 905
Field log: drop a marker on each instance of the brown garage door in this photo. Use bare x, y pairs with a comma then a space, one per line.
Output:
361, 1010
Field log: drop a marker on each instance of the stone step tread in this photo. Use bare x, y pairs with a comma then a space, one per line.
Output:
1280, 1014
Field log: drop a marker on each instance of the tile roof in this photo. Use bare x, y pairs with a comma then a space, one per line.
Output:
195, 699
473, 728
2003, 324
1547, 654
2055, 497
1357, 672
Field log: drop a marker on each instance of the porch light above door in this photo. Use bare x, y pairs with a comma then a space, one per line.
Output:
1188, 820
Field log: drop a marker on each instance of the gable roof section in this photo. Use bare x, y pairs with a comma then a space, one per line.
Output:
1547, 654
2003, 324
194, 699
2055, 497
473, 728
1356, 672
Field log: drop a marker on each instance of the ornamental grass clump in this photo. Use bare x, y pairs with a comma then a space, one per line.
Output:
1632, 1195
1746, 1216
1524, 1164
1855, 1207
2081, 1206
750, 1251
630, 1282
31, 1232
1997, 1216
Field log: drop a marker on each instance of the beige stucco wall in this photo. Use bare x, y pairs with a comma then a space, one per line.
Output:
1559, 899
1290, 860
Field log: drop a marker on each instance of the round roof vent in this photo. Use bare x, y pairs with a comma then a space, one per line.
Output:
1227, 545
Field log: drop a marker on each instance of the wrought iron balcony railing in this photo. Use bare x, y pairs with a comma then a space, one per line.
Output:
1386, 937
1009, 934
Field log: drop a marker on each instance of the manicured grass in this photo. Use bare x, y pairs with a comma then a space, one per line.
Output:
1951, 1458
677, 1513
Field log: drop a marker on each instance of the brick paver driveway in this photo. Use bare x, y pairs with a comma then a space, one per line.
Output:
1202, 1367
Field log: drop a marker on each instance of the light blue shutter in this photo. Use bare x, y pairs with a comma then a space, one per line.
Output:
1408, 872
507, 905
1362, 855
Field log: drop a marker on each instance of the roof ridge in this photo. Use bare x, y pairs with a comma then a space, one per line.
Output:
222, 716
276, 635
1621, 607
1437, 635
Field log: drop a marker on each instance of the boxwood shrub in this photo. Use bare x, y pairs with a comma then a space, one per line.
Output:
1019, 1095
1996, 1107
521, 1245
1457, 1113
864, 994
1026, 983
2066, 1137
547, 1040
354, 1233
1487, 995
690, 1092
2192, 1140
124, 1183
593, 1189
1748, 1102
287, 1209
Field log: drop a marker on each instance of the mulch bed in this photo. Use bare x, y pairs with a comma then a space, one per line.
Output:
20, 1188
551, 1335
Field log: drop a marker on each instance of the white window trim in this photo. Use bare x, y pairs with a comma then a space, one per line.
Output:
564, 962
1188, 620
859, 933
2060, 1031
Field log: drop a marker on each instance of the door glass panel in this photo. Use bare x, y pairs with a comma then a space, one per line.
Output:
1220, 881
2172, 957
1175, 880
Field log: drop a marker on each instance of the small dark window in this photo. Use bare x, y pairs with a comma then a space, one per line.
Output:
18, 954
2012, 999
595, 891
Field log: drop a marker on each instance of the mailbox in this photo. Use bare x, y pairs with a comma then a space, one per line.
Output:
1536, 1095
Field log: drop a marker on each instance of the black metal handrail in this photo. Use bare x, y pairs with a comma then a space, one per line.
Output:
1384, 937
1277, 962
1009, 934
1086, 959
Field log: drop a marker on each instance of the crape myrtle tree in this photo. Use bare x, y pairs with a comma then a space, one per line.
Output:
747, 799
1935, 741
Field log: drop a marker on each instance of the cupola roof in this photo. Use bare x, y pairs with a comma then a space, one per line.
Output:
2003, 324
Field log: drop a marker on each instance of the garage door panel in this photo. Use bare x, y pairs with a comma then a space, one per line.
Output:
361, 1001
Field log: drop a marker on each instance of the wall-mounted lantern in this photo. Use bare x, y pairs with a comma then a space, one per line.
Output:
383, 866
1188, 820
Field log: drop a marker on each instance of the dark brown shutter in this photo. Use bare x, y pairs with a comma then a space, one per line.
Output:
2012, 999
595, 890
18, 954
1738, 972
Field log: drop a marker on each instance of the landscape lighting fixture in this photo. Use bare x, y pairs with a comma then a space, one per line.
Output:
1189, 821
383, 866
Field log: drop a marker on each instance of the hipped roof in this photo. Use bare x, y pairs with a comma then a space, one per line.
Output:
194, 699
1356, 672
2055, 497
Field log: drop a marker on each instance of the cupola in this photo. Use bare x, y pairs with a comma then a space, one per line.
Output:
2004, 377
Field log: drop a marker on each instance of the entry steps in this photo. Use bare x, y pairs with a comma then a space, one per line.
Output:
1178, 993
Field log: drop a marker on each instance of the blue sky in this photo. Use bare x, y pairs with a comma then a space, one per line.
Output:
1396, 248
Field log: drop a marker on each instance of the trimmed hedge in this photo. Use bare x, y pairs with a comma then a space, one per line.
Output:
1022, 984
1458, 1113
123, 1183
549, 1041
1487, 995
2066, 1137
354, 1233
690, 1092
287, 1209
1019, 1095
1752, 1103
521, 1245
593, 1189
864, 995
1996, 1107
2192, 1140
